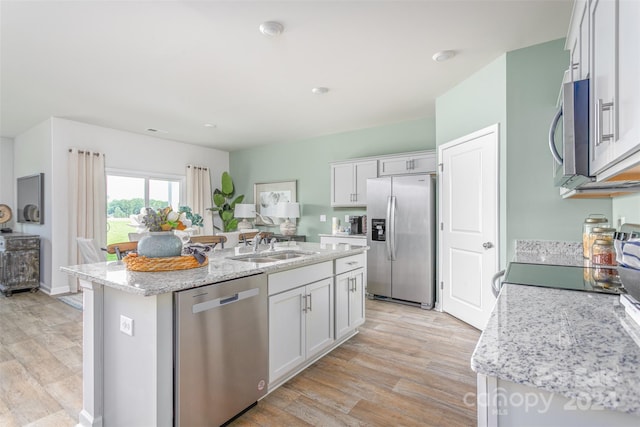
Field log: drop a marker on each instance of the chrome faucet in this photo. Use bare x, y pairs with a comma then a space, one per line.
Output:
272, 244
256, 241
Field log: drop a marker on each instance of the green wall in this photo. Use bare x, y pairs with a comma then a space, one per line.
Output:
519, 91
308, 163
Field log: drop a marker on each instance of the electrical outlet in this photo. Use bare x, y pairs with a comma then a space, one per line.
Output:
126, 325
323, 218
346, 219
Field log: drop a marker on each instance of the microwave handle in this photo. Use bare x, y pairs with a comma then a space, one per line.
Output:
552, 133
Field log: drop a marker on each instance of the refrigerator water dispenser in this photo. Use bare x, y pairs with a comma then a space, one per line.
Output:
378, 228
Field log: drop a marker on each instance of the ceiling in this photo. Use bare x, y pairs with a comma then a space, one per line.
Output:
175, 66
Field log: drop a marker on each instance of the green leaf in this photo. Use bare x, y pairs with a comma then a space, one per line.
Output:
226, 215
238, 199
227, 184
232, 225
219, 200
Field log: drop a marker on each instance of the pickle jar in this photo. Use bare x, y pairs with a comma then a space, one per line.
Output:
600, 233
592, 221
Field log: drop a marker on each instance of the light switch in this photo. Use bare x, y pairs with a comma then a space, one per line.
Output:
346, 219
323, 218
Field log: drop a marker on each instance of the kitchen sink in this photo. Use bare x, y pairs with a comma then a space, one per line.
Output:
287, 255
265, 257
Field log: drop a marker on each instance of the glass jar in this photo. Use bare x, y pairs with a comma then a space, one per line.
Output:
600, 233
592, 221
603, 257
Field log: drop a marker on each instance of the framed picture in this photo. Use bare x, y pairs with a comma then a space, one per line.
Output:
266, 197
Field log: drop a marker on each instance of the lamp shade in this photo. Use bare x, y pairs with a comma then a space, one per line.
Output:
245, 210
288, 210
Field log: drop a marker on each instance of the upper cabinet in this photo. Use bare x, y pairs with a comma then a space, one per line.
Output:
578, 41
349, 177
407, 164
349, 182
614, 31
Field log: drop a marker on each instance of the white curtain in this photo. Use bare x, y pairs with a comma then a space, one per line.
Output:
87, 200
199, 196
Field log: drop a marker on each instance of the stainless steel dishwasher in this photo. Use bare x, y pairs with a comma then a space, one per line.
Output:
221, 350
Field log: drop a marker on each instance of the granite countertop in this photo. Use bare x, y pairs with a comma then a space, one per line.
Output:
353, 236
577, 344
220, 268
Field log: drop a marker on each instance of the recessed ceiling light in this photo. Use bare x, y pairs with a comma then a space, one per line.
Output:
443, 55
157, 130
209, 125
271, 28
320, 90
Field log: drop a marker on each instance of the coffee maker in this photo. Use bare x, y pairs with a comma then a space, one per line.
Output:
357, 224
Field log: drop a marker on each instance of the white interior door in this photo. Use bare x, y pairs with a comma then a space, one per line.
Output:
469, 225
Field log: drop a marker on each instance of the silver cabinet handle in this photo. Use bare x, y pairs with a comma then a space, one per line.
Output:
310, 302
304, 304
494, 287
487, 245
406, 165
600, 108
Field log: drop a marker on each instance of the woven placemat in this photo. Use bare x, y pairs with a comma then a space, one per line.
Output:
143, 263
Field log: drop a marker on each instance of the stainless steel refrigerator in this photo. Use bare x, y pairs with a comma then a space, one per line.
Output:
401, 238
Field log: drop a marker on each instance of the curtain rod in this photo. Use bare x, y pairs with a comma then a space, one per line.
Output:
85, 152
198, 167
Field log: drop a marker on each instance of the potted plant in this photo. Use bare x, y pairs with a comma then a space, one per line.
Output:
225, 204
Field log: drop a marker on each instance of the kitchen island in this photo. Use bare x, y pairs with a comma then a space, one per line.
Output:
129, 323
557, 357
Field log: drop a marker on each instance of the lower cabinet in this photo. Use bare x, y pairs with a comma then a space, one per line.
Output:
300, 326
349, 301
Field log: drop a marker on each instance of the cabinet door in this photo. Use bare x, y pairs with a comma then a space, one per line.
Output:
21, 269
584, 41
603, 106
364, 171
286, 332
342, 184
356, 298
319, 319
419, 163
343, 297
628, 105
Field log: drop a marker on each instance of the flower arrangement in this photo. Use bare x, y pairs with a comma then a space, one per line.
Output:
166, 219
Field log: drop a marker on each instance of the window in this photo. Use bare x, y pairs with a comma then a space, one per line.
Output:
127, 192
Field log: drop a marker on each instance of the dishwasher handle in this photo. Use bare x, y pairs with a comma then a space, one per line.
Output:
220, 302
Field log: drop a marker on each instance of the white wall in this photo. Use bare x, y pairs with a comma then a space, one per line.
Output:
123, 150
7, 193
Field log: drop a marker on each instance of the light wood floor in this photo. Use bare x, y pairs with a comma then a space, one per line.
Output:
407, 367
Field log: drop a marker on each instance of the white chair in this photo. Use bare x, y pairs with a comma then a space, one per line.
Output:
90, 251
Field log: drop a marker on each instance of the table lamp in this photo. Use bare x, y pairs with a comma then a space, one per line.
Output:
244, 211
288, 211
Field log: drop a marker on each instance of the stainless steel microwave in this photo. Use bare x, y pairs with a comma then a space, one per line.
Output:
572, 160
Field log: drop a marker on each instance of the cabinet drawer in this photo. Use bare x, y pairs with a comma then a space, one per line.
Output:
19, 244
290, 279
350, 263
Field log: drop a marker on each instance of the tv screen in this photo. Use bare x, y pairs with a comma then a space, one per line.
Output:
30, 199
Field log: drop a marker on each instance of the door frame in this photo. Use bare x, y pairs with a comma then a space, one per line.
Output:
495, 129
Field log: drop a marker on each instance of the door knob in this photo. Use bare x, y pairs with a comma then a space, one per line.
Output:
487, 245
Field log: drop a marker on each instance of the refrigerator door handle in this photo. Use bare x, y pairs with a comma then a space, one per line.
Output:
392, 227
388, 231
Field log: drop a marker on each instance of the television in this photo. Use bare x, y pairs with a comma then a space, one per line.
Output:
30, 191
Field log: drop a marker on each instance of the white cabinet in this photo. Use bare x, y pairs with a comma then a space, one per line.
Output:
407, 163
349, 182
301, 317
336, 239
602, 90
615, 87
350, 280
578, 41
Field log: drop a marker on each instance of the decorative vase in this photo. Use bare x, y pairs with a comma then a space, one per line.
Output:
159, 244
